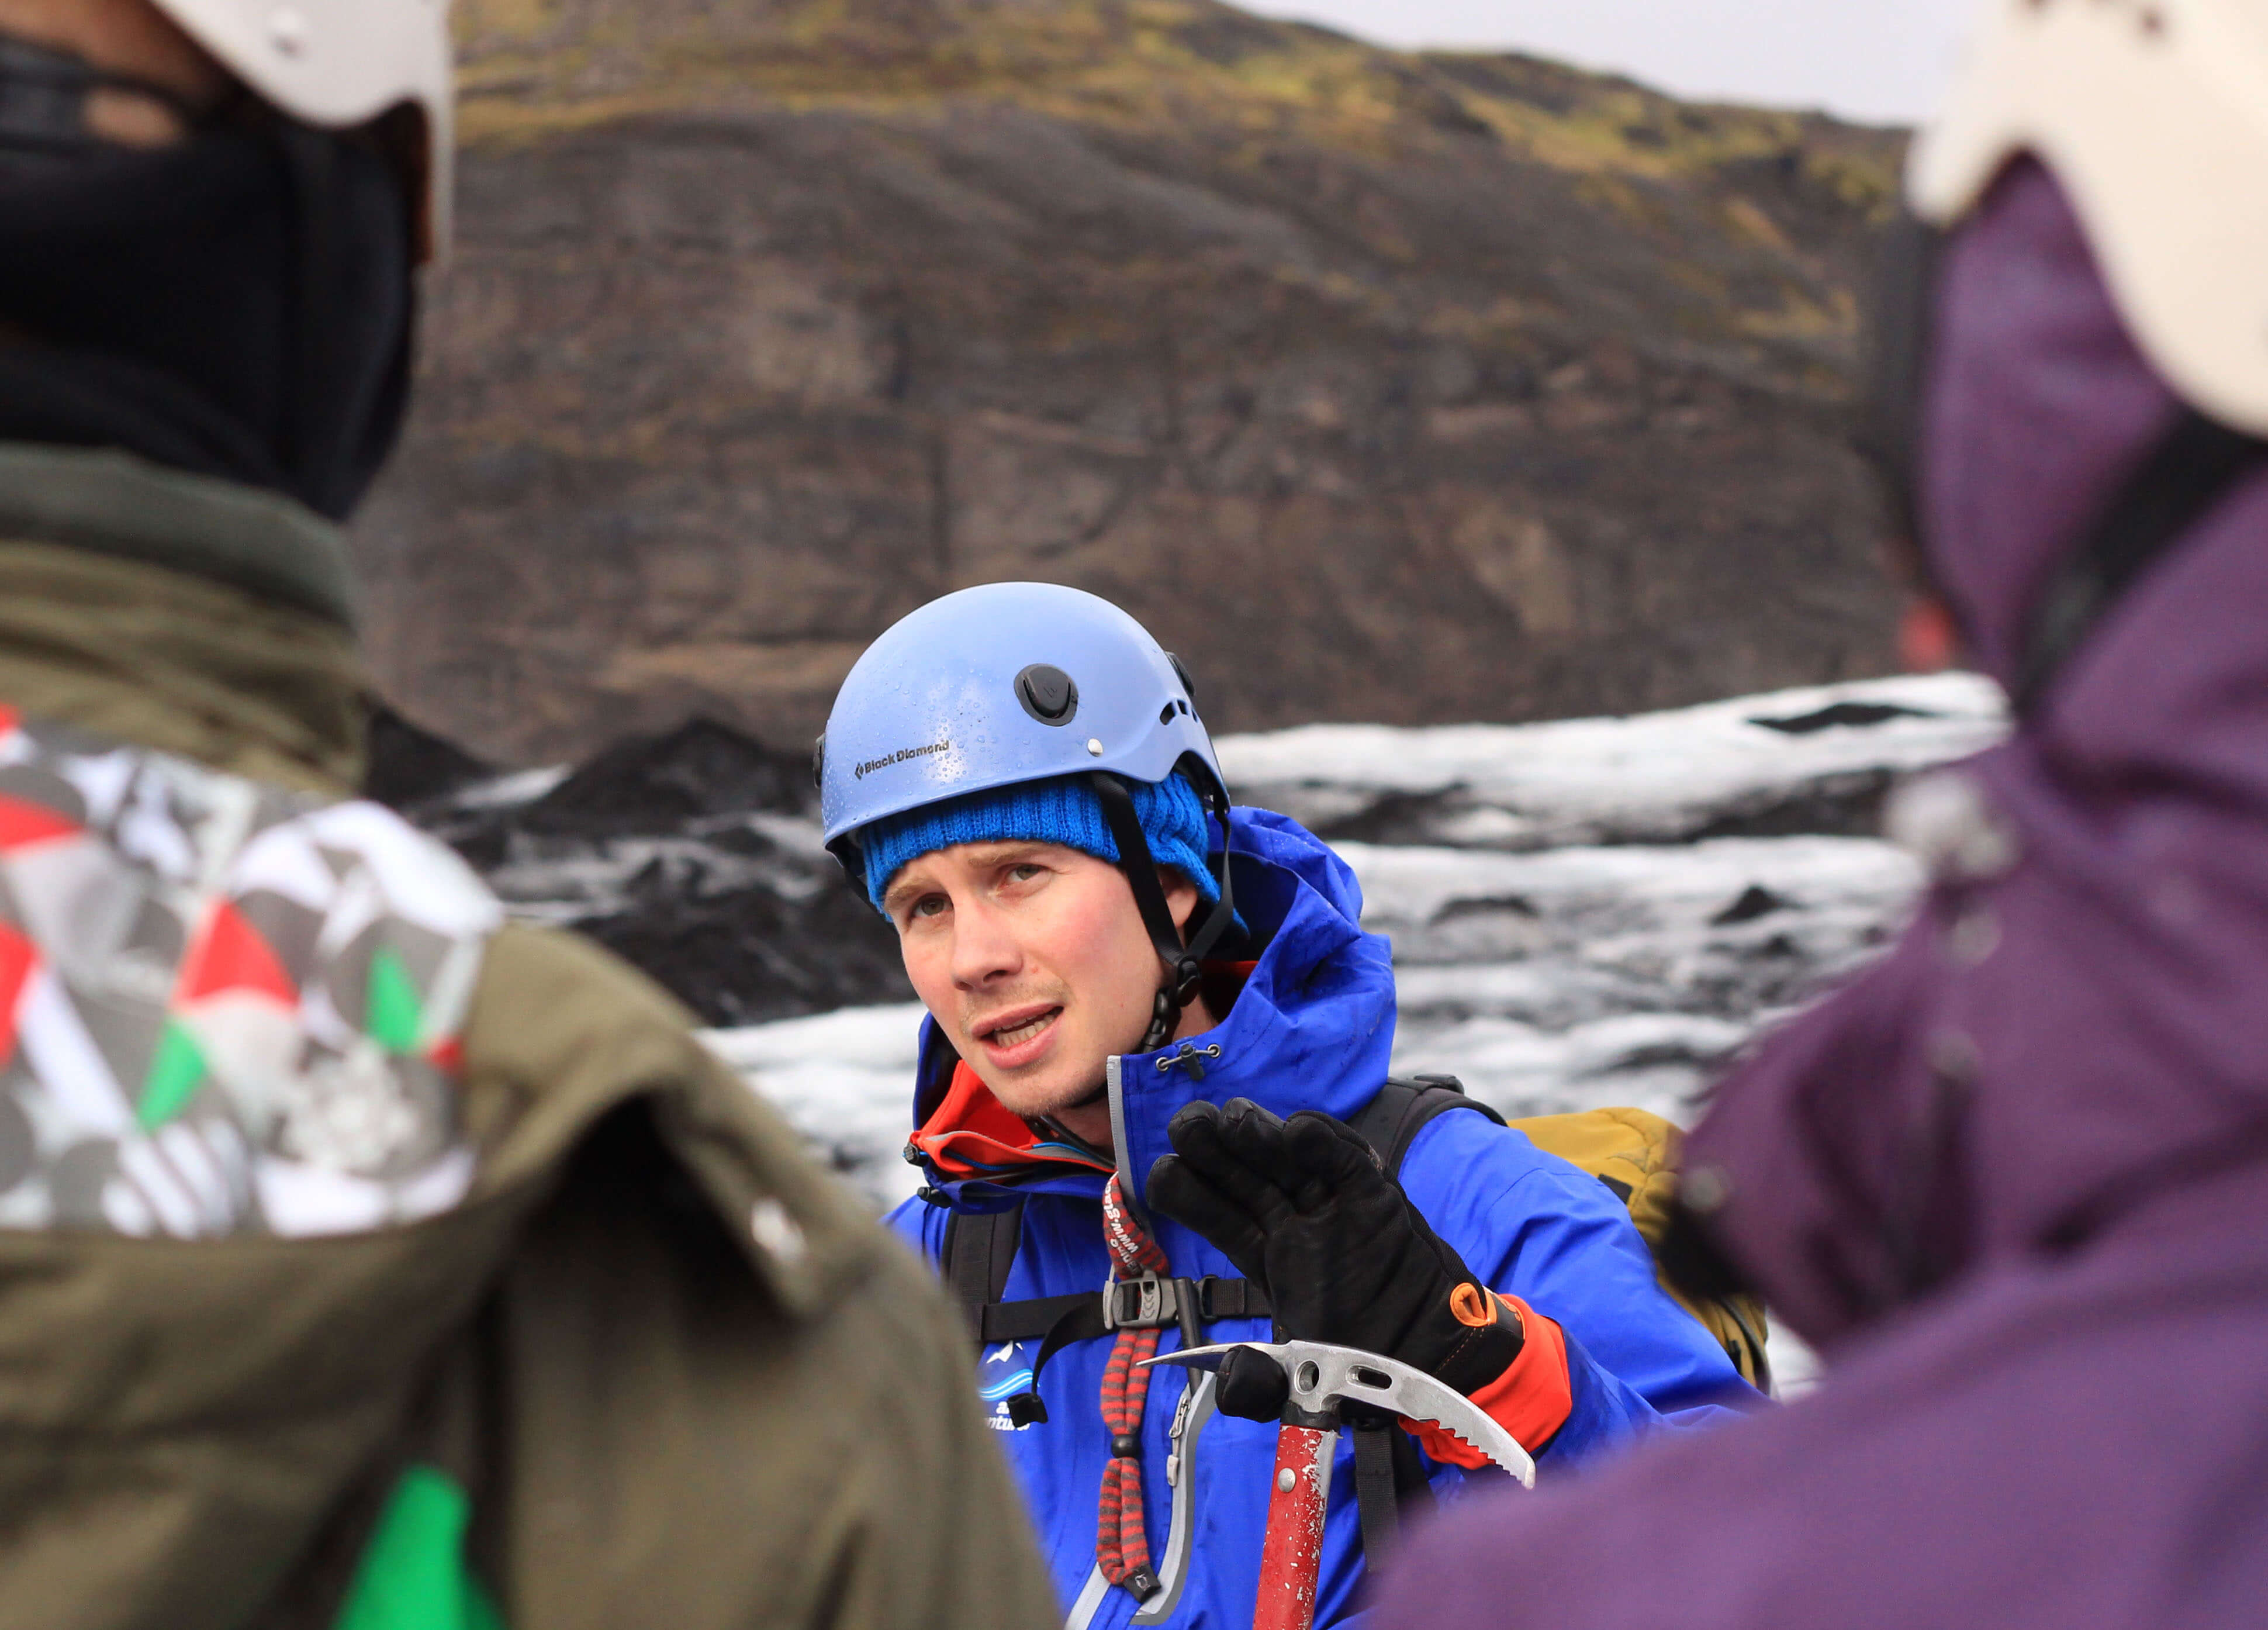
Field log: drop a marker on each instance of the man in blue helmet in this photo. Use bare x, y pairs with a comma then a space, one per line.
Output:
1156, 1055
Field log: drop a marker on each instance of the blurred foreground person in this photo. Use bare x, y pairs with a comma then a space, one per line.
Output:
364, 1262
2015, 1179
1137, 993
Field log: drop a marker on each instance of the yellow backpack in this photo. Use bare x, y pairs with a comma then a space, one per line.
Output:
1636, 1155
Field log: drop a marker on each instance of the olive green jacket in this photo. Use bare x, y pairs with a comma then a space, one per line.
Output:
657, 1370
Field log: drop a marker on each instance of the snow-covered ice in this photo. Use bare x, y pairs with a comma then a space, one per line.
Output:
845, 1081
1567, 930
1654, 776
1574, 977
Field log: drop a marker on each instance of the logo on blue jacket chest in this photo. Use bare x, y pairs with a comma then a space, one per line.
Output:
1001, 1374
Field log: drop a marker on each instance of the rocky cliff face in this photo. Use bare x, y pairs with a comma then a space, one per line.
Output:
1397, 388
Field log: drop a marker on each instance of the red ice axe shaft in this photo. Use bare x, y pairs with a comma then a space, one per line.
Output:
1323, 1381
1292, 1553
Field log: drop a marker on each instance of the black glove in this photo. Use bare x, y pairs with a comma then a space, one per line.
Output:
1301, 1208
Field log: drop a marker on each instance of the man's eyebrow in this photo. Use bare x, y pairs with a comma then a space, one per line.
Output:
991, 852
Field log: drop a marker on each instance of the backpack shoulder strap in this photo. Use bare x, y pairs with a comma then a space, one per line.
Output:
1404, 1107
980, 1247
1390, 1123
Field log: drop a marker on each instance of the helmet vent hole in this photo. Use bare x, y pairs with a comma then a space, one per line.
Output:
1048, 694
1166, 714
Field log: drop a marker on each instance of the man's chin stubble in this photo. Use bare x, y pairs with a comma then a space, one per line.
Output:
1086, 1099
1101, 1091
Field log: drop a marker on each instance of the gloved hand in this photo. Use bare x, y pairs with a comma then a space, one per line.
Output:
1301, 1208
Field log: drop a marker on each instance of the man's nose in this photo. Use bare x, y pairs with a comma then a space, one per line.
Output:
983, 948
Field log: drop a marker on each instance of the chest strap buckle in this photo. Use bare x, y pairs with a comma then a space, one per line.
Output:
1150, 1302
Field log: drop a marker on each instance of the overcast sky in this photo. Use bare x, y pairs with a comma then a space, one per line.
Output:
1880, 60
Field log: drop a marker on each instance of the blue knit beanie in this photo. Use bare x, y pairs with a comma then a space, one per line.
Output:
1063, 811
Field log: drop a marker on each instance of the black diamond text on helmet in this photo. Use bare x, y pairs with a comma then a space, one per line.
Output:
899, 757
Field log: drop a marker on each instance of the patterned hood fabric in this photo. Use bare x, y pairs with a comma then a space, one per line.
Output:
224, 1008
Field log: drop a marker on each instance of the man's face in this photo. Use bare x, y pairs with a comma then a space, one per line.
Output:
1033, 959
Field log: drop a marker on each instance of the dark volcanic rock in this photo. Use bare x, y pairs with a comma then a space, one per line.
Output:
1755, 900
1387, 387
410, 764
1848, 805
753, 954
658, 784
1840, 716
691, 855
1840, 806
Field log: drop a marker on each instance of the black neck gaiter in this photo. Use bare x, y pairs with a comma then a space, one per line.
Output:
240, 304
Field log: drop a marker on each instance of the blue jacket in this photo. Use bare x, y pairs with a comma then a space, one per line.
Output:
1312, 1028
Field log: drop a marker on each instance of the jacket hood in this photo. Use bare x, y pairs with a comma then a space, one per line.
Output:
2038, 407
1311, 1029
2051, 1045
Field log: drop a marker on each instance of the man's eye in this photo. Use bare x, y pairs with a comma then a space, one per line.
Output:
928, 905
1025, 872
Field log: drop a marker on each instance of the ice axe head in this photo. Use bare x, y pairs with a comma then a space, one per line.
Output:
1324, 1380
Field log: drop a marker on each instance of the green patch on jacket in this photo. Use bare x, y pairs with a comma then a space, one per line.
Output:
413, 1576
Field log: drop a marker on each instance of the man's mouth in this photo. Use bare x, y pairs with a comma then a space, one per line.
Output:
1008, 1032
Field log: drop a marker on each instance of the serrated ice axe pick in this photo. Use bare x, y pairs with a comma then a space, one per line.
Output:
1324, 1380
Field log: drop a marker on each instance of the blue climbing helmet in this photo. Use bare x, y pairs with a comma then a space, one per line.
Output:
1015, 682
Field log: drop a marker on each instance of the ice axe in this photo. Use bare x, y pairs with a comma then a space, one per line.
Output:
1324, 1380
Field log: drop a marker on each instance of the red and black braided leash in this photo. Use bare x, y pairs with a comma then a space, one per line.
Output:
1122, 1543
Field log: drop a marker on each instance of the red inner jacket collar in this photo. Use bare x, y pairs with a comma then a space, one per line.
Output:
972, 1134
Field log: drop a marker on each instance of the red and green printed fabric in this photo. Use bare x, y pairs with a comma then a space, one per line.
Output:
225, 1008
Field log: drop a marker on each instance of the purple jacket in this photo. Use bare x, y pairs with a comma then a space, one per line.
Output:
2013, 1180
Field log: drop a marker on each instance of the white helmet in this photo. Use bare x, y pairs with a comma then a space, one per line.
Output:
338, 63
2153, 116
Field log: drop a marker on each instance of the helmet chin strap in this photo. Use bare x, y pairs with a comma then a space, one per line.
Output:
1184, 961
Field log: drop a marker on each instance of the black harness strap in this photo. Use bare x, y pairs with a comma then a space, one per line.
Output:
1080, 1320
1056, 1322
980, 1247
1231, 1298
2193, 467
1036, 1319
1376, 1501
1406, 1106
